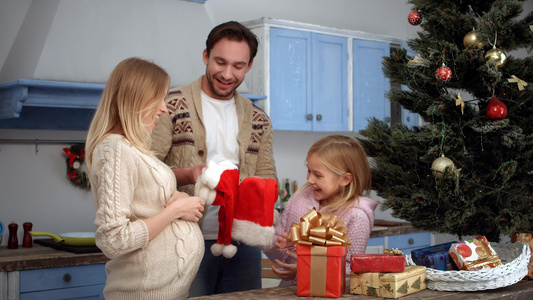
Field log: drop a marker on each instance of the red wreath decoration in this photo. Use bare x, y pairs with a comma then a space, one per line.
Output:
75, 160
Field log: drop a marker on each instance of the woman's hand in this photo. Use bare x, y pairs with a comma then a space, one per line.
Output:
185, 207
283, 241
289, 272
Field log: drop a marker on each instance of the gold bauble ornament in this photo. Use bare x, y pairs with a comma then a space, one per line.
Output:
497, 56
472, 41
442, 165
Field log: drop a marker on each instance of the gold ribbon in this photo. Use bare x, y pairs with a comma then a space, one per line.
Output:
459, 101
319, 229
521, 84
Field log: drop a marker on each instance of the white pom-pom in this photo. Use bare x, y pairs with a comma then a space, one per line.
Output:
229, 251
216, 249
207, 194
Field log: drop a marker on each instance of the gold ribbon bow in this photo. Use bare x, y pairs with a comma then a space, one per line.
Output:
521, 84
417, 61
459, 101
319, 229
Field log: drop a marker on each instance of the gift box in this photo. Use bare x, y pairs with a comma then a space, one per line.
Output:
389, 285
525, 237
377, 263
321, 246
435, 257
320, 271
474, 254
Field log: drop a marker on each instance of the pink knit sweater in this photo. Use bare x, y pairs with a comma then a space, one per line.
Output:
359, 220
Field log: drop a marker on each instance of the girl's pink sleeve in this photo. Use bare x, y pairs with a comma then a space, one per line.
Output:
359, 229
283, 225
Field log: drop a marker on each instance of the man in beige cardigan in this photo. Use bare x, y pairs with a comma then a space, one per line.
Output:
209, 120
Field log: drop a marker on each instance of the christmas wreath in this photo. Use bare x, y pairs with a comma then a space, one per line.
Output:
75, 160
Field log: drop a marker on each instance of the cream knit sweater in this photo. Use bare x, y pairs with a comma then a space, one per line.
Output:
128, 186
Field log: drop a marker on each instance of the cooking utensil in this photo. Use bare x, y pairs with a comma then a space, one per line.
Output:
71, 238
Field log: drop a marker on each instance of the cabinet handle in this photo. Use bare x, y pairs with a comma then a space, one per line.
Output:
67, 277
411, 241
318, 117
309, 117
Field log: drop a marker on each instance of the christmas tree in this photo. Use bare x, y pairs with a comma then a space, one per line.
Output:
468, 170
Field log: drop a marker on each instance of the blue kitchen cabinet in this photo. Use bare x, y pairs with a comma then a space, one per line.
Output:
370, 84
77, 282
405, 242
308, 81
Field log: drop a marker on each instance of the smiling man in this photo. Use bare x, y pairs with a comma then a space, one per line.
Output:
209, 120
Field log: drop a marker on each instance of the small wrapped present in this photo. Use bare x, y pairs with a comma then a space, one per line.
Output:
435, 257
525, 237
377, 263
474, 254
321, 243
389, 285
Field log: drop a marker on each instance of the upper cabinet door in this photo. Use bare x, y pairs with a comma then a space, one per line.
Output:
370, 84
308, 81
330, 88
290, 79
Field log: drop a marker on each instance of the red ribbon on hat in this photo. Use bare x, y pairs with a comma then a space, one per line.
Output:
319, 229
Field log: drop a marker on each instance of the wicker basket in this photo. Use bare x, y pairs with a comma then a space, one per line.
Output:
515, 258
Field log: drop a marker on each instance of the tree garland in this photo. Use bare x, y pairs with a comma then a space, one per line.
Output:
75, 160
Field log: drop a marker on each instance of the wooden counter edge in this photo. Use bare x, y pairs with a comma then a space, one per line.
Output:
405, 228
40, 257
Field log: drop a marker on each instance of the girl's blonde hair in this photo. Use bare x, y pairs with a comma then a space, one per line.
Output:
128, 97
342, 154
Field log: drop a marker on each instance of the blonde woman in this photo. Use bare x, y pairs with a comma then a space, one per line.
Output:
145, 226
338, 179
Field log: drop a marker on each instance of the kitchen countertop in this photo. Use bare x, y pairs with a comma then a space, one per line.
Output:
38, 256
521, 290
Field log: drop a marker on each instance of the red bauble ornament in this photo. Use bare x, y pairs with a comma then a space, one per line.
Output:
496, 110
414, 18
443, 74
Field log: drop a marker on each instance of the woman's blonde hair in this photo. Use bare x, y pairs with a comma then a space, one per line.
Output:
342, 154
128, 97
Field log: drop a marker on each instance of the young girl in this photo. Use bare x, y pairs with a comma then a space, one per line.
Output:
338, 174
147, 228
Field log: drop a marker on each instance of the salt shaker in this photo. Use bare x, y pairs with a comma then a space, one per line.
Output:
27, 240
13, 242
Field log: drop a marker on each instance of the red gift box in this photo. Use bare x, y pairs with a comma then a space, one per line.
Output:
320, 271
377, 263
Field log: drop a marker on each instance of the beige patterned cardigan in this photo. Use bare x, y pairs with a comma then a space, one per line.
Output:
179, 138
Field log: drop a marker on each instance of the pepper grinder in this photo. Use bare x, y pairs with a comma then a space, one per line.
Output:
27, 241
13, 242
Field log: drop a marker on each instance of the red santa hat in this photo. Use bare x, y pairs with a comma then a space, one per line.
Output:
222, 181
254, 213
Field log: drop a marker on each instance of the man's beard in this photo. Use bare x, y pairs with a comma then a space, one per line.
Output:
216, 92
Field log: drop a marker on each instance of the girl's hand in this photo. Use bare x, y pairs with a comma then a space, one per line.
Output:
289, 272
283, 241
185, 207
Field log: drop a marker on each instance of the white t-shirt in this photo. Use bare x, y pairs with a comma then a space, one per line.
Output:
222, 129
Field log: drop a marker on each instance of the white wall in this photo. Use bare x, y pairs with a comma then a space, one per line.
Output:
83, 40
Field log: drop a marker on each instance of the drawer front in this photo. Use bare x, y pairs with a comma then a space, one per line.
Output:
411, 240
59, 278
377, 241
94, 292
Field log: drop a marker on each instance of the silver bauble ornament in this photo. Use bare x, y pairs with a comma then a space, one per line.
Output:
441, 166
